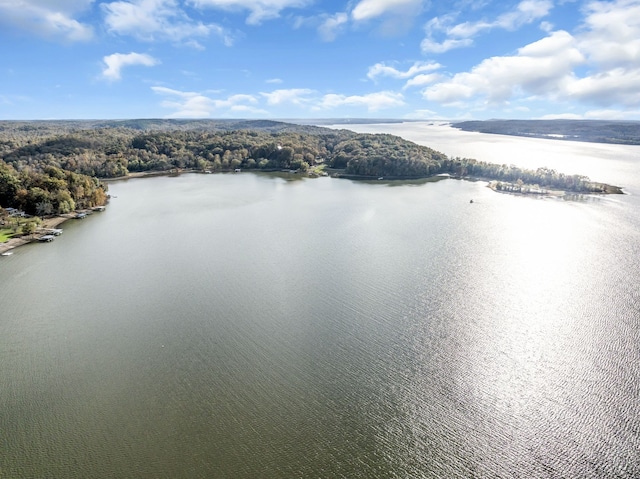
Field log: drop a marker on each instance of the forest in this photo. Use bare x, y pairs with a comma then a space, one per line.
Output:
53, 167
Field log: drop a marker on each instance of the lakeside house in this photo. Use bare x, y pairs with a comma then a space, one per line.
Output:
16, 212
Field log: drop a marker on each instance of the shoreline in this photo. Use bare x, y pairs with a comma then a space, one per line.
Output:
47, 223
55, 221
339, 173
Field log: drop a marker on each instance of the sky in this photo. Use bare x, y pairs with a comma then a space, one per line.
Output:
294, 59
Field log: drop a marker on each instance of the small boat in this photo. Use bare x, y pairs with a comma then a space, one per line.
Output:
46, 238
7, 253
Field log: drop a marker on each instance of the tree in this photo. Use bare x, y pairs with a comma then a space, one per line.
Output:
44, 208
28, 228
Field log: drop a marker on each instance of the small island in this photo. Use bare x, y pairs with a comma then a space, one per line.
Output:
51, 171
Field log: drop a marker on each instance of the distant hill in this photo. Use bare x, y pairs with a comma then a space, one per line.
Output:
596, 131
46, 127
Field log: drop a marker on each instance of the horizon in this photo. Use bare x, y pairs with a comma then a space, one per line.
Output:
319, 121
284, 59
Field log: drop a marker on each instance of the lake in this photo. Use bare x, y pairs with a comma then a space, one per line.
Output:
271, 326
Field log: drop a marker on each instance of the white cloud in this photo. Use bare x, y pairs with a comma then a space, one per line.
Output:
332, 26
259, 10
541, 68
47, 18
185, 104
612, 33
117, 61
433, 28
598, 65
295, 96
422, 80
369, 9
381, 69
546, 27
274, 80
150, 20
372, 101
196, 105
430, 46
461, 34
394, 17
527, 11
617, 86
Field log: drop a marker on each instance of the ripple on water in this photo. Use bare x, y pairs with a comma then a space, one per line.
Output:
336, 329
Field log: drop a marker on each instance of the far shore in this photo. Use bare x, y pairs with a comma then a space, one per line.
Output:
55, 221
340, 173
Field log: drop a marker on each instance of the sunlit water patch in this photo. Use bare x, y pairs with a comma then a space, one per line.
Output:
250, 326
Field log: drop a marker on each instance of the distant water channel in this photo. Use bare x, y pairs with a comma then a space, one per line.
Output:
265, 326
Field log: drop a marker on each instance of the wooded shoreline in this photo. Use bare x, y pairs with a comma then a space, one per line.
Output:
52, 222
52, 169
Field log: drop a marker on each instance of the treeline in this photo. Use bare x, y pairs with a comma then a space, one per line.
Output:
48, 190
542, 177
114, 152
55, 165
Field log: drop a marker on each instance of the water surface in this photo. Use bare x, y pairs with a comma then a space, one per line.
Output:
248, 325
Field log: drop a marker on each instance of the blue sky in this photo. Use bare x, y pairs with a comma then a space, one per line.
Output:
413, 59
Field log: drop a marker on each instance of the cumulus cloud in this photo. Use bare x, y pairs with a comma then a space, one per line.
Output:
598, 65
461, 34
150, 20
538, 68
116, 62
372, 101
382, 69
611, 35
46, 18
259, 10
618, 86
186, 104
